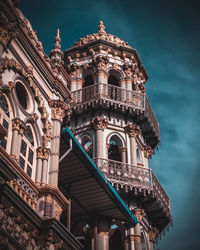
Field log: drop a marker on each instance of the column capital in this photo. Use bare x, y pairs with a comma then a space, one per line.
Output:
132, 130
58, 108
148, 151
99, 123
43, 153
139, 213
101, 62
18, 125
153, 232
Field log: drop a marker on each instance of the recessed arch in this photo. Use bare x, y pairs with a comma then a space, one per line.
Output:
115, 142
139, 157
88, 77
114, 77
87, 144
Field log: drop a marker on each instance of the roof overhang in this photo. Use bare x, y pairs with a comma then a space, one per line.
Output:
91, 193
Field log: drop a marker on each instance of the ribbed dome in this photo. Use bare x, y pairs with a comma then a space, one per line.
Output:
101, 35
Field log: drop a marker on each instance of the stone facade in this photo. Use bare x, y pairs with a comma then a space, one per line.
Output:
108, 112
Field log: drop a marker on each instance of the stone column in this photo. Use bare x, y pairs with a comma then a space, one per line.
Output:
132, 131
122, 151
128, 81
107, 148
99, 124
122, 83
73, 84
139, 214
79, 83
100, 234
38, 174
57, 113
148, 151
18, 127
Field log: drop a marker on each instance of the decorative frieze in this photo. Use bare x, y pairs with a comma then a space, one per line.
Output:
132, 130
99, 123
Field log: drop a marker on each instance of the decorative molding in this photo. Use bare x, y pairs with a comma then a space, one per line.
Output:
58, 109
43, 153
11, 64
101, 35
99, 123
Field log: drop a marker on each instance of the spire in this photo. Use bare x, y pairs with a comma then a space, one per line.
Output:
57, 40
56, 53
101, 27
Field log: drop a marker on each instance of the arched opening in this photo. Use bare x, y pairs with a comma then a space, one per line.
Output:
88, 77
86, 143
27, 158
114, 92
115, 143
5, 123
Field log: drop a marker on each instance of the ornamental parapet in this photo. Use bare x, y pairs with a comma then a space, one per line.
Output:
140, 181
123, 100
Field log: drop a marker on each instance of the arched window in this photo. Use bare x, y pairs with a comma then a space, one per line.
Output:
5, 122
115, 143
139, 157
113, 82
86, 143
88, 78
27, 152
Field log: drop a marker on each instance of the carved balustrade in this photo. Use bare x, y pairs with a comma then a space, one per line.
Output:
120, 96
121, 174
109, 92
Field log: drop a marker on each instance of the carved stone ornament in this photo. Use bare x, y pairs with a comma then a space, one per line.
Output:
73, 70
7, 30
101, 34
101, 62
57, 109
18, 125
139, 214
43, 153
148, 151
132, 130
99, 123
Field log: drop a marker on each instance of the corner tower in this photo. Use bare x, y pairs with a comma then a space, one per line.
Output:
115, 124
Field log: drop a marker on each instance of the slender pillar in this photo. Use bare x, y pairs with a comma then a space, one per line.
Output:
38, 174
57, 113
100, 234
148, 151
73, 84
99, 124
1, 50
132, 130
122, 151
18, 127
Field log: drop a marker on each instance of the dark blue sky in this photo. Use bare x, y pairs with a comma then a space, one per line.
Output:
167, 38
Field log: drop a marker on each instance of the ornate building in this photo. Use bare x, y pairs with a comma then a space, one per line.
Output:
76, 132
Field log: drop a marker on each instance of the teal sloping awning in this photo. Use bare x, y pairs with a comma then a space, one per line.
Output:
90, 192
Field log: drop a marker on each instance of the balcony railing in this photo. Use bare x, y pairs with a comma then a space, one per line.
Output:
126, 175
110, 92
117, 95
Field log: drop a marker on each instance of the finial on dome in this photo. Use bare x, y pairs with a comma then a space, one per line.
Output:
101, 27
56, 53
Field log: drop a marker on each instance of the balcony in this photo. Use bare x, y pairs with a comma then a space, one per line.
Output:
123, 99
140, 182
